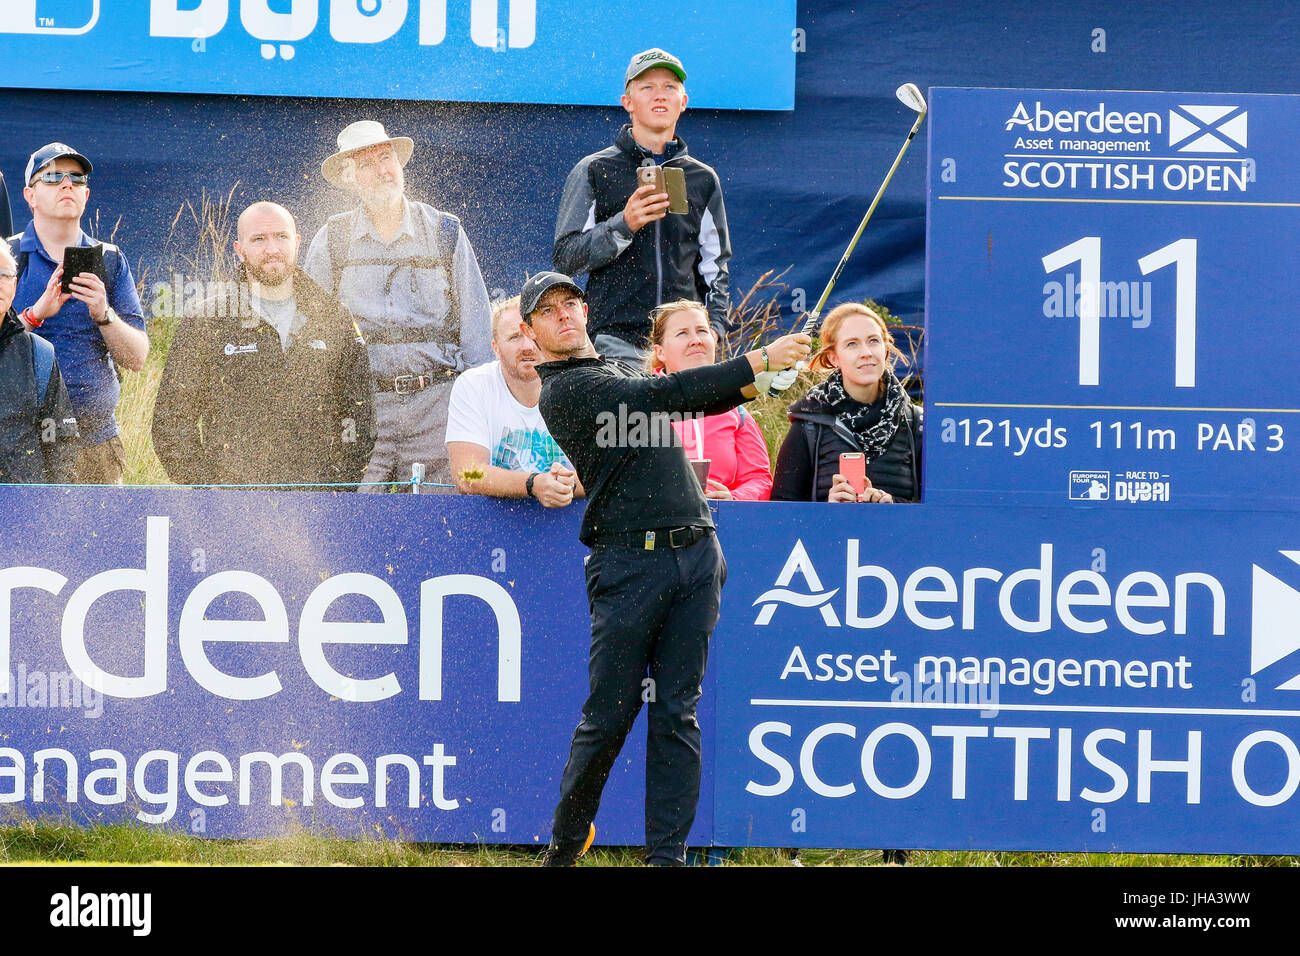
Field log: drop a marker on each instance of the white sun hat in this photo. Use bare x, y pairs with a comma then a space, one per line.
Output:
361, 135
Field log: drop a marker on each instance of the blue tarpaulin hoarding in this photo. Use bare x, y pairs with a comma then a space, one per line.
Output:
925, 675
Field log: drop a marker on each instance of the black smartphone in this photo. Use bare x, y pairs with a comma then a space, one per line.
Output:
79, 259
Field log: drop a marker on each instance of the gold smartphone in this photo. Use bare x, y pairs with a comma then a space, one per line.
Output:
670, 180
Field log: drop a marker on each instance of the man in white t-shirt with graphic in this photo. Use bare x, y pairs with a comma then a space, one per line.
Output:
497, 442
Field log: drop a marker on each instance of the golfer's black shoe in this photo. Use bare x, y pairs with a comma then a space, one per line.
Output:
557, 855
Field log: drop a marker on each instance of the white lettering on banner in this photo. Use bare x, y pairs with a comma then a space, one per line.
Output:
1099, 120
820, 598
1039, 582
350, 21
266, 24
167, 19
433, 593
1035, 763
11, 578
195, 629
378, 20
314, 631
152, 582
1289, 751
156, 779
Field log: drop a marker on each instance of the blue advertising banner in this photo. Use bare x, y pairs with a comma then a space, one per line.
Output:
1107, 322
738, 55
413, 666
1021, 679
240, 665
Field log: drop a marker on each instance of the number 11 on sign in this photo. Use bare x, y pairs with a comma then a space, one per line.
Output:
1181, 253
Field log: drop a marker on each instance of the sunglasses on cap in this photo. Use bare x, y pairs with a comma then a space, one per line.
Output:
53, 177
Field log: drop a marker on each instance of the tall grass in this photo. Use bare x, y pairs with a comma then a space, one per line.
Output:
758, 319
198, 248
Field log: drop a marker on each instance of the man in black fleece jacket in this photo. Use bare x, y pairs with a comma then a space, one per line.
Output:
655, 574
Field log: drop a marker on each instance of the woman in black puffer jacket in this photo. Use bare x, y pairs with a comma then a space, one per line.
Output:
860, 407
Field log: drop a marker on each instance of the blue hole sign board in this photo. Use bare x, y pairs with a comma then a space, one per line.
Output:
1109, 321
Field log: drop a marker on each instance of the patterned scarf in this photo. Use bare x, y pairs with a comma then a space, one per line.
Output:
871, 426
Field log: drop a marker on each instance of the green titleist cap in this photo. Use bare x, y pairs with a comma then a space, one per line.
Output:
649, 59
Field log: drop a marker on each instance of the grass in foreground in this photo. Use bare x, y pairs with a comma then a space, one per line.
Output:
30, 843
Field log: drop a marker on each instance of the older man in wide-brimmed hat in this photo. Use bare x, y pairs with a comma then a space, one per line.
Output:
408, 273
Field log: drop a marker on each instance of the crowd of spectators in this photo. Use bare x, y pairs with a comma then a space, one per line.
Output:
381, 364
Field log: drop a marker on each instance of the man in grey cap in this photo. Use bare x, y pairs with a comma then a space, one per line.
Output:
95, 325
620, 232
408, 273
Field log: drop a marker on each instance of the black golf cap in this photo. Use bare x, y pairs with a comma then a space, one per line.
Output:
539, 285
48, 154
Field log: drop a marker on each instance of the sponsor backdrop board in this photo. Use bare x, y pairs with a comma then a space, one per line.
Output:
965, 677
1108, 299
409, 667
923, 676
499, 51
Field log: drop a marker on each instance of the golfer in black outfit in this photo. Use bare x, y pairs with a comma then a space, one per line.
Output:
655, 574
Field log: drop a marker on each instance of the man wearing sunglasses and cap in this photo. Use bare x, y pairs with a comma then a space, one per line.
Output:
97, 323
637, 254
408, 273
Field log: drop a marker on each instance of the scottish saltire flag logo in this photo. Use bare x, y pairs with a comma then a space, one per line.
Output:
1275, 622
1207, 129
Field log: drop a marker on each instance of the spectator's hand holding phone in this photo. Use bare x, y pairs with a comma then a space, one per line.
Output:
52, 298
842, 490
89, 288
644, 206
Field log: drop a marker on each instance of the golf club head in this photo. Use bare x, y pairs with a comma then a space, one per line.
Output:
909, 94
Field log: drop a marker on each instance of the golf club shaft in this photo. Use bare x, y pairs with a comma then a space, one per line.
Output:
814, 317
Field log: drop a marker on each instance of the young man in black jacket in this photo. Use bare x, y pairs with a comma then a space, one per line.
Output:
267, 380
637, 254
655, 574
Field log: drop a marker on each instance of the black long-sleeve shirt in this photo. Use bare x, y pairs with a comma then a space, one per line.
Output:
614, 424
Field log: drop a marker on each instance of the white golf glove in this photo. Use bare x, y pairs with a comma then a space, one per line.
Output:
780, 380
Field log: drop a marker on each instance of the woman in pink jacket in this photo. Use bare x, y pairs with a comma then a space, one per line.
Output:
739, 466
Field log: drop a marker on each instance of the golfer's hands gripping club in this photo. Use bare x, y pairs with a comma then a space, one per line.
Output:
783, 355
785, 378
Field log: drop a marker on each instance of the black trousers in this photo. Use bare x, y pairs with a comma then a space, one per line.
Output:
652, 613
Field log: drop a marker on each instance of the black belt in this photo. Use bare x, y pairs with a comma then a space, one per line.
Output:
656, 538
409, 384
